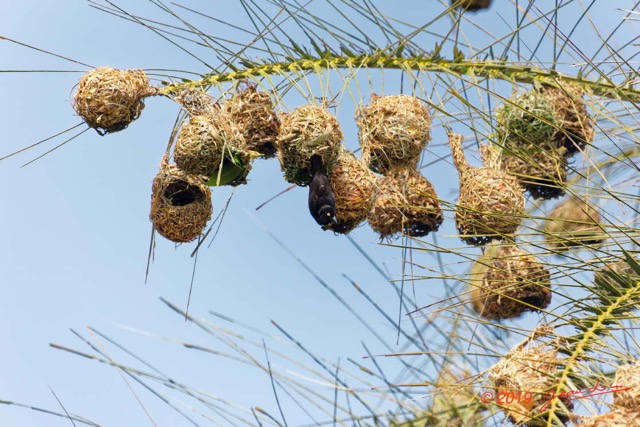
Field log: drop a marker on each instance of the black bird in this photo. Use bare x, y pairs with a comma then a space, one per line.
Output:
322, 203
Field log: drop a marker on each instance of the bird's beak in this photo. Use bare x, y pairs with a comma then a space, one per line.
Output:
334, 220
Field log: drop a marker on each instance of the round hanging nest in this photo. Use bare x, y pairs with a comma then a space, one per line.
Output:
615, 418
546, 115
210, 144
506, 281
393, 131
306, 131
252, 111
628, 376
404, 201
108, 100
491, 203
353, 186
471, 5
573, 223
542, 170
528, 369
180, 204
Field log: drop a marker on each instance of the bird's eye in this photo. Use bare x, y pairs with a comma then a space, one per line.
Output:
328, 213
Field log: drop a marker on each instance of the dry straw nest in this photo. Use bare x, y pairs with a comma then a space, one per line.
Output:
556, 116
491, 203
471, 5
528, 369
195, 101
541, 170
405, 201
353, 186
109, 100
252, 111
573, 223
306, 131
210, 144
628, 376
615, 418
506, 281
393, 131
180, 204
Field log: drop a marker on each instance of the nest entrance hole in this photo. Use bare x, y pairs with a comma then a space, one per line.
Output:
535, 300
181, 193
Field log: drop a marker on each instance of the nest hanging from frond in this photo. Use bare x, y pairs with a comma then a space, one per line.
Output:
353, 187
615, 418
306, 131
405, 202
210, 144
541, 170
471, 5
573, 223
195, 101
528, 370
108, 100
180, 204
547, 115
252, 111
393, 131
506, 281
628, 377
491, 203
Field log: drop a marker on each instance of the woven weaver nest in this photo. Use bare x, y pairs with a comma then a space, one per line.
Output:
406, 202
573, 223
615, 418
627, 376
506, 281
353, 187
548, 115
180, 204
541, 170
210, 144
393, 131
529, 369
195, 101
306, 131
109, 100
471, 5
252, 111
491, 203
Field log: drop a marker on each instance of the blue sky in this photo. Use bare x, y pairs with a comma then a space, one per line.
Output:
74, 233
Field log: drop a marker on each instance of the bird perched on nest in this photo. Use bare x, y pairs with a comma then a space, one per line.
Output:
322, 203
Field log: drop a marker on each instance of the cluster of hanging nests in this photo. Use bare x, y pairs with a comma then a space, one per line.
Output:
536, 133
219, 140
531, 372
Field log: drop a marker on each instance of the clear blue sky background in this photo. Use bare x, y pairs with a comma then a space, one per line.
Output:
74, 232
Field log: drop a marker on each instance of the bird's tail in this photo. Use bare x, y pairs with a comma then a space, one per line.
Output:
316, 164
